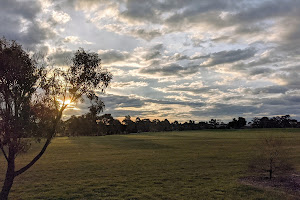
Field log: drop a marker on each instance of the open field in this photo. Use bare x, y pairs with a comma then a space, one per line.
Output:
167, 165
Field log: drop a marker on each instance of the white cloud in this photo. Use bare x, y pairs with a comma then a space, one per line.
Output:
60, 17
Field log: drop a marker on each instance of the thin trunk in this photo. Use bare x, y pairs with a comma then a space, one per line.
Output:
35, 159
9, 177
39, 155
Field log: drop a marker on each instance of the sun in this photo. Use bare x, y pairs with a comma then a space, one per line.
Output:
68, 101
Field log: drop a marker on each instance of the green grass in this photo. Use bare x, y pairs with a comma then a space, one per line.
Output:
167, 165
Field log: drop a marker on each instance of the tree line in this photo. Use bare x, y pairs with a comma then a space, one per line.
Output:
92, 125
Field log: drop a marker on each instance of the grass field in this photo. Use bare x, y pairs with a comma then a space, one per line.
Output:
166, 165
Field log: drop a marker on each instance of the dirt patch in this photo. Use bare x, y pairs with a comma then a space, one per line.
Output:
290, 185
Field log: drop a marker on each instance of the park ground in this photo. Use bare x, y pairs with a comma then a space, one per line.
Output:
165, 165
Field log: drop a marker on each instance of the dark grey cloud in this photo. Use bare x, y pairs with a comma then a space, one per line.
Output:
140, 10
153, 52
265, 10
260, 71
115, 101
194, 90
273, 89
182, 103
18, 21
291, 69
197, 12
60, 57
110, 56
241, 66
173, 69
146, 34
226, 110
231, 56
285, 104
27, 9
196, 57
291, 79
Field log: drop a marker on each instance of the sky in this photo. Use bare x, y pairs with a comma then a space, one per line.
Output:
174, 59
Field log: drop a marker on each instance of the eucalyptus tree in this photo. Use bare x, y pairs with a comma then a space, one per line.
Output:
33, 98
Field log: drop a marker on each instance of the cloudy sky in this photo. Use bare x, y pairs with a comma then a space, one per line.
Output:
175, 59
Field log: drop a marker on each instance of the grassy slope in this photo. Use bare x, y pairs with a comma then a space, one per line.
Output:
168, 165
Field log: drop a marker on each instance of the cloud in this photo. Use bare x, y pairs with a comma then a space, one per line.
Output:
231, 56
226, 110
60, 57
146, 34
273, 89
111, 56
265, 10
173, 69
19, 20
261, 71
60, 17
75, 40
139, 10
130, 84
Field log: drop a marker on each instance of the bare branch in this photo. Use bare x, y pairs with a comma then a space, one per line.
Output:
35, 159
4, 153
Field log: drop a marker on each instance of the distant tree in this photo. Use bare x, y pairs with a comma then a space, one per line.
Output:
130, 125
255, 122
143, 125
146, 124
155, 126
166, 125
213, 123
271, 157
33, 99
237, 123
175, 126
241, 122
203, 125
73, 125
115, 127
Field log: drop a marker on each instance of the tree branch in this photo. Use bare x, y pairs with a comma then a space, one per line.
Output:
4, 153
36, 158
39, 155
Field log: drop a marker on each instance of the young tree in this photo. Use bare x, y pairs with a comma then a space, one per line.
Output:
33, 99
271, 158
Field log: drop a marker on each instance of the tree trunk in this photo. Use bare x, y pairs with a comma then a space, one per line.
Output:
9, 179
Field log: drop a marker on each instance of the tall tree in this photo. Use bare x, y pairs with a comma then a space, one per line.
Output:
33, 98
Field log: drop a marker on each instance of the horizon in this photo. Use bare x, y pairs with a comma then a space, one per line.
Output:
173, 59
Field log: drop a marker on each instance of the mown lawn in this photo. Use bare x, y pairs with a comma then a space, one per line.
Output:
168, 165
